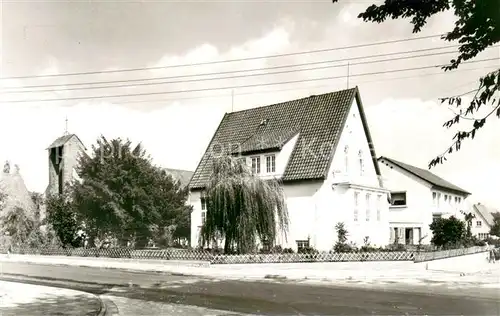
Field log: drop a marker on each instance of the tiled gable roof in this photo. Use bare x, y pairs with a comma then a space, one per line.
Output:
60, 141
427, 176
486, 213
318, 121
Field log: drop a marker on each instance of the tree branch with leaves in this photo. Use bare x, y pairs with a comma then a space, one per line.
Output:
477, 27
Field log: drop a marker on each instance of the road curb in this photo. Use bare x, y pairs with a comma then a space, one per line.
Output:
102, 311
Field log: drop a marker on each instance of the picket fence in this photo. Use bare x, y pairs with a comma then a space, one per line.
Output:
434, 255
201, 255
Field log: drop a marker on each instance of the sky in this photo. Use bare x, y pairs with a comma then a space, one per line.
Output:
43, 40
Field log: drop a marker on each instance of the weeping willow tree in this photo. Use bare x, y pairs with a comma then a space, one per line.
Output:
242, 208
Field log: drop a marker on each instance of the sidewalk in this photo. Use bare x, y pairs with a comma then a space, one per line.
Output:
335, 272
27, 299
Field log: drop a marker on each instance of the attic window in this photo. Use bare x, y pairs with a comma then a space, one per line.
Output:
263, 122
398, 198
361, 163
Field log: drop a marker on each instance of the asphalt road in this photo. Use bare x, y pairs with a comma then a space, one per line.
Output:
263, 298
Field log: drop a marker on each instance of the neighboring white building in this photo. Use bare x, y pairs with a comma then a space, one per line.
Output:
417, 197
483, 220
321, 148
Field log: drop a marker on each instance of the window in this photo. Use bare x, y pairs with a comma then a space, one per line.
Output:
367, 207
483, 236
302, 244
434, 198
203, 203
436, 217
398, 198
271, 163
356, 205
379, 206
456, 200
346, 159
256, 165
459, 200
445, 198
361, 163
479, 223
203, 217
438, 199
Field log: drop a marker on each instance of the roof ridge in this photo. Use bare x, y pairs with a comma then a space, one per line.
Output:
408, 167
317, 119
293, 100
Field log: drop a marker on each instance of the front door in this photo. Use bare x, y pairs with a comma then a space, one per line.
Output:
409, 236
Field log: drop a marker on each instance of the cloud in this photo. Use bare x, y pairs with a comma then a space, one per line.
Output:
411, 130
175, 128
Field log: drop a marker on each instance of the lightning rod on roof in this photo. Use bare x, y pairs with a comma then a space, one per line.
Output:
232, 100
66, 126
348, 75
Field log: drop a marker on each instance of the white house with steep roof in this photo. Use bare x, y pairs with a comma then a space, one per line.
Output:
417, 196
321, 149
483, 220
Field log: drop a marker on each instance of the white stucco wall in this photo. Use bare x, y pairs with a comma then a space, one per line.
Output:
420, 205
316, 207
476, 229
195, 201
354, 138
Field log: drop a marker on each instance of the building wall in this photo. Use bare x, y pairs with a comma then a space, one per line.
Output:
481, 231
420, 207
417, 213
315, 208
71, 150
338, 203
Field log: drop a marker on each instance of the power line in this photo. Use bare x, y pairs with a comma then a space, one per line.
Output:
240, 70
235, 87
228, 77
301, 88
227, 60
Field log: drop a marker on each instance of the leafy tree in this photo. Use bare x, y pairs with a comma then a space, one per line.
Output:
341, 244
18, 225
495, 228
242, 207
123, 195
174, 214
64, 220
448, 232
37, 199
182, 229
468, 217
3, 196
477, 27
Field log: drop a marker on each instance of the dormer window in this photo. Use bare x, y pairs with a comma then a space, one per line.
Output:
361, 163
271, 164
398, 198
256, 165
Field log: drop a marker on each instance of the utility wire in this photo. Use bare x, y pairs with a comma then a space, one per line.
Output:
236, 71
228, 77
302, 88
66, 88
227, 60
236, 87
